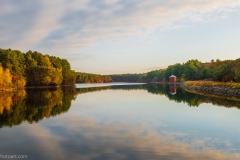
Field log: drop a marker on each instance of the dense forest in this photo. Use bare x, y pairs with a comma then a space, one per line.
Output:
92, 78
18, 69
127, 77
222, 71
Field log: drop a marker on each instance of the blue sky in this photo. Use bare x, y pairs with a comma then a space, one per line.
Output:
123, 36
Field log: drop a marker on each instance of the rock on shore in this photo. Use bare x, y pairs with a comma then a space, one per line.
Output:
224, 91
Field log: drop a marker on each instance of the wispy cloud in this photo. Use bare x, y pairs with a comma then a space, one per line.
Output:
60, 26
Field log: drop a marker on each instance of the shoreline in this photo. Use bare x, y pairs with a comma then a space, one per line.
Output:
205, 88
33, 87
197, 87
209, 88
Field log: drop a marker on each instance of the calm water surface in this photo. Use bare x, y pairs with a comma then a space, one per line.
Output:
118, 122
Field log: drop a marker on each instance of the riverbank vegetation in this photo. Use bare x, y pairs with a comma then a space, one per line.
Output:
220, 71
212, 84
18, 69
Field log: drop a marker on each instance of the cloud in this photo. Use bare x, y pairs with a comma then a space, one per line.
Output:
88, 138
64, 26
13, 16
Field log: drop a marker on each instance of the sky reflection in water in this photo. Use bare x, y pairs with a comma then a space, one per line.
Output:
128, 124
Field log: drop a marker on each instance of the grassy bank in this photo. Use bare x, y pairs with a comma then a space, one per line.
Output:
212, 84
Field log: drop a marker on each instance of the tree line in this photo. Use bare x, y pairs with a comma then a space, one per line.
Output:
127, 77
222, 71
92, 78
18, 69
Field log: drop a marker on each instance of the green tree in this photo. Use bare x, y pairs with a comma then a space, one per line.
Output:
206, 73
237, 75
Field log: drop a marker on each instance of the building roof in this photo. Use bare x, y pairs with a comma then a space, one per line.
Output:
172, 76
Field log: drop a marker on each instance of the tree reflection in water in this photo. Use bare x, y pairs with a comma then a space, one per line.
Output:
33, 105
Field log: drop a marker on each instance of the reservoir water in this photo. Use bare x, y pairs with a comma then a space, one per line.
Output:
118, 121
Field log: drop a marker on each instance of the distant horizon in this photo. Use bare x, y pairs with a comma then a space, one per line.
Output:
119, 36
150, 69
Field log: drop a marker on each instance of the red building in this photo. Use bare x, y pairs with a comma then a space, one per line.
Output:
172, 79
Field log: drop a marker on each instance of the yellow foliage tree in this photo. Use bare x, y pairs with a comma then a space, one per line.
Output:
5, 78
46, 80
1, 76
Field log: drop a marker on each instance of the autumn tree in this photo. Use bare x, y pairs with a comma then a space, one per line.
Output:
5, 78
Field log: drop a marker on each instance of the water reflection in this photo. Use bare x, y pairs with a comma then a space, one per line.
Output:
87, 138
182, 96
34, 105
172, 89
118, 122
192, 99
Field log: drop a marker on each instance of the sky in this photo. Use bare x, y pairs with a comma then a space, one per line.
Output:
123, 36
